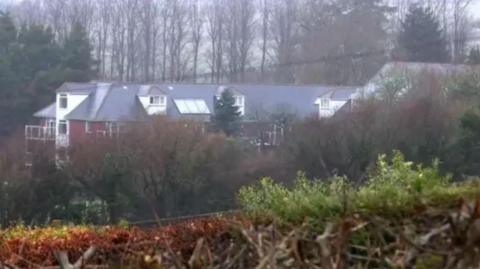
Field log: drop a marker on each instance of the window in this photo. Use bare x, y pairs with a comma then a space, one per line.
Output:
62, 127
111, 127
51, 127
114, 127
324, 103
88, 127
63, 101
157, 100
50, 124
239, 101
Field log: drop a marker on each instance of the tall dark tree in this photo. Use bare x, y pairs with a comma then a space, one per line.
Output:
8, 37
77, 52
469, 143
38, 51
8, 33
227, 115
421, 38
342, 41
474, 56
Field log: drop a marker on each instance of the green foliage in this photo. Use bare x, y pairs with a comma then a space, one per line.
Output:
465, 87
474, 55
393, 189
398, 185
421, 39
305, 199
8, 32
469, 143
392, 88
227, 115
33, 64
77, 52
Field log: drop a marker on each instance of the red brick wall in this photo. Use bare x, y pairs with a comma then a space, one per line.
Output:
77, 131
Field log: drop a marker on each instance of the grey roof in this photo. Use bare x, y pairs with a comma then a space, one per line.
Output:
338, 94
233, 89
120, 102
77, 87
260, 97
145, 90
110, 103
48, 112
418, 67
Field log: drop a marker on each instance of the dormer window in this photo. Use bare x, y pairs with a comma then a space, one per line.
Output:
324, 103
63, 101
157, 100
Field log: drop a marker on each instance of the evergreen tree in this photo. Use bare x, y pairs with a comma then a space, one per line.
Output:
77, 54
421, 39
474, 56
227, 115
8, 33
8, 38
37, 52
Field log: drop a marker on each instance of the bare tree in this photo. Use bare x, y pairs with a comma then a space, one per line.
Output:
240, 33
196, 24
216, 27
284, 27
265, 24
460, 28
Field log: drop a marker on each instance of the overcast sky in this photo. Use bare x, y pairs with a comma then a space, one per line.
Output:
474, 10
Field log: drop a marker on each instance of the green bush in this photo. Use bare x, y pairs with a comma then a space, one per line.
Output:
393, 188
398, 186
306, 198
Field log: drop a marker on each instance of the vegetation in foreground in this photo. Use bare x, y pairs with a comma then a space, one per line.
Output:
393, 189
403, 216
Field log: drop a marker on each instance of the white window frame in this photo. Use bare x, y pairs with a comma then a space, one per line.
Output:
239, 100
157, 100
88, 127
51, 125
63, 97
324, 103
62, 122
113, 127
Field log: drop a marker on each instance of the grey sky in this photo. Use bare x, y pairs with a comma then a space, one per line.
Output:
474, 10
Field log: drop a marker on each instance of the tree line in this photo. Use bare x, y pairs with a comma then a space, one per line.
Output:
44, 43
33, 64
340, 42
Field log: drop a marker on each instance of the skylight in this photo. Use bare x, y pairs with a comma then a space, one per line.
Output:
192, 106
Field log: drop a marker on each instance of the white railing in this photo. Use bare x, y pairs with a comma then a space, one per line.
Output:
36, 132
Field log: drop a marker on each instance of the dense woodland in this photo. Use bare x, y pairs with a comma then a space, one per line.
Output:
301, 41
150, 171
339, 42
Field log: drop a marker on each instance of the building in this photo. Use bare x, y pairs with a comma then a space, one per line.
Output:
84, 111
411, 70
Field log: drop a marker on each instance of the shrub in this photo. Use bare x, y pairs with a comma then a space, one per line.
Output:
398, 186
394, 188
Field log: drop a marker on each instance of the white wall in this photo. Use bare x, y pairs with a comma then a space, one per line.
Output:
333, 107
73, 100
153, 109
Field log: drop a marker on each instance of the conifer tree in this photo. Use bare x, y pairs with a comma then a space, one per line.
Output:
77, 52
474, 56
421, 39
227, 115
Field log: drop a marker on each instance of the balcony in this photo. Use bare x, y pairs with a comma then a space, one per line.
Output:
40, 133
